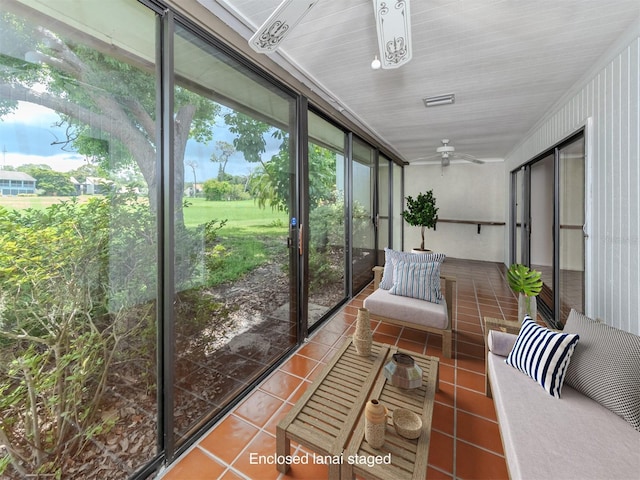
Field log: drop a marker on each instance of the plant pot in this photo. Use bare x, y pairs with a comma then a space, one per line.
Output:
421, 250
527, 306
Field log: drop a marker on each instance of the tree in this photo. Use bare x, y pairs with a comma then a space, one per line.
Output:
226, 150
107, 104
49, 181
193, 164
421, 212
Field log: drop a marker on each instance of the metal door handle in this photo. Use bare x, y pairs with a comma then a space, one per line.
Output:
300, 244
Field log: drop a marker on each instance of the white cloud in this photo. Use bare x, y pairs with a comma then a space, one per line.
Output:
62, 162
32, 114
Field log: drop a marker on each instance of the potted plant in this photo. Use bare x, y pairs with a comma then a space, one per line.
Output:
527, 283
421, 212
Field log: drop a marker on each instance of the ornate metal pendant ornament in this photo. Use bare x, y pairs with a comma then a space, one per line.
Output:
393, 24
272, 32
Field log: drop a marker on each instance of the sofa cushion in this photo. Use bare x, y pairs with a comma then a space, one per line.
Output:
406, 309
571, 438
417, 280
392, 256
543, 355
606, 366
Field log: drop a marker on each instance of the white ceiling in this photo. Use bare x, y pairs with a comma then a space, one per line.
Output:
506, 61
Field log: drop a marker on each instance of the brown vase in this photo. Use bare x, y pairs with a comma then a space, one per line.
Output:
375, 423
362, 338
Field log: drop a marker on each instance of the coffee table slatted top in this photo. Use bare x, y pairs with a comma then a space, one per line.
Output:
329, 416
324, 417
408, 456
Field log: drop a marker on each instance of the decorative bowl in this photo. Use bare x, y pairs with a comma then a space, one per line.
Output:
407, 423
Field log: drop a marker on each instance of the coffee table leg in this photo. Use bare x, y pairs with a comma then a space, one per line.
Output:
346, 470
283, 449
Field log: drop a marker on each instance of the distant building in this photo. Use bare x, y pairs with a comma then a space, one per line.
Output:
16, 183
92, 185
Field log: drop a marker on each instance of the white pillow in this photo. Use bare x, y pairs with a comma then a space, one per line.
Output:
392, 256
417, 280
543, 355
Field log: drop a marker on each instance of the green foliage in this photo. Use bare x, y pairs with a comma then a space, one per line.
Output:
271, 183
524, 280
326, 239
48, 181
77, 284
215, 190
421, 212
250, 135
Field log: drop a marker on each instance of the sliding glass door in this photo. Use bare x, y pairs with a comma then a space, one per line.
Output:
541, 238
234, 254
363, 234
327, 212
548, 216
572, 219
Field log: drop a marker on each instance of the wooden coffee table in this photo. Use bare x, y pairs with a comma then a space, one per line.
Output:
329, 417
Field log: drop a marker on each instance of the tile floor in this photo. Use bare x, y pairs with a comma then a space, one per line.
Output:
465, 439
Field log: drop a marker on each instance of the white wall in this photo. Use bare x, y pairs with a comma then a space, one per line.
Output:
463, 191
608, 99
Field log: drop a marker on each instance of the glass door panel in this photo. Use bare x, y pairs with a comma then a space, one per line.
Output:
572, 181
79, 240
363, 235
519, 236
327, 226
396, 216
541, 235
383, 200
234, 305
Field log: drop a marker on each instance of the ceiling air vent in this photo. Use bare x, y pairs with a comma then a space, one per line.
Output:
439, 100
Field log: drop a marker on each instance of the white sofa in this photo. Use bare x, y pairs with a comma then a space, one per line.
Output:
572, 437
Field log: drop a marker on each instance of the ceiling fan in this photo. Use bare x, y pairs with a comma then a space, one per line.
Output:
447, 152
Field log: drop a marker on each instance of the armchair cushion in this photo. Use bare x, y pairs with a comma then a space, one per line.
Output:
392, 256
417, 280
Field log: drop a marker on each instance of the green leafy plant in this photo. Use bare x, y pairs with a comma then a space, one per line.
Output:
524, 280
421, 212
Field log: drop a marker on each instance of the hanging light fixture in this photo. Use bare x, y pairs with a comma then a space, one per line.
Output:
393, 24
274, 30
376, 64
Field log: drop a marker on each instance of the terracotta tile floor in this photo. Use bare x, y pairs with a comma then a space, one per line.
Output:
465, 439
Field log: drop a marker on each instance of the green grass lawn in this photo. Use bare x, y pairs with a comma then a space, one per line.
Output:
239, 214
251, 237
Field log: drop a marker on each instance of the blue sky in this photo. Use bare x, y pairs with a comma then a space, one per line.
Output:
27, 136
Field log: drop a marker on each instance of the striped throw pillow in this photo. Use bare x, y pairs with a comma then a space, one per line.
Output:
543, 355
417, 280
393, 256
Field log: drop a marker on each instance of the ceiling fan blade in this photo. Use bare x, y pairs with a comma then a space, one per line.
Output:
279, 24
430, 157
468, 158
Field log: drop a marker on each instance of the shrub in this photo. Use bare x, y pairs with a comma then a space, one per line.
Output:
77, 285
